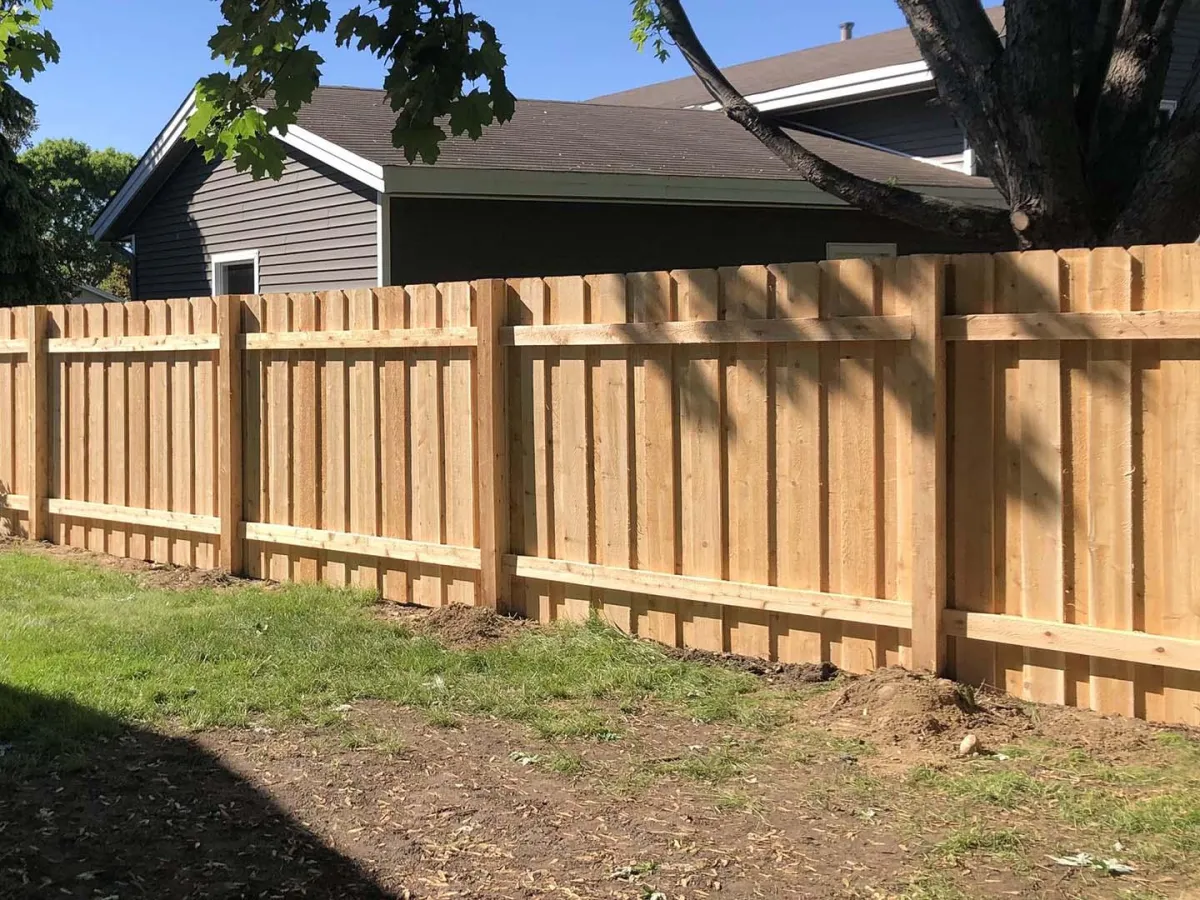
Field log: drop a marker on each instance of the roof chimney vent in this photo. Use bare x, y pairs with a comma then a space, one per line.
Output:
847, 30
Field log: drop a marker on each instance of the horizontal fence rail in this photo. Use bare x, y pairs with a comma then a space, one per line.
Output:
979, 465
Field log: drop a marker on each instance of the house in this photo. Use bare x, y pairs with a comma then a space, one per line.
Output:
562, 188
874, 89
87, 293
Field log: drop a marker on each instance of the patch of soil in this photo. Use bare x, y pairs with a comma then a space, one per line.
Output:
783, 674
916, 712
148, 574
461, 627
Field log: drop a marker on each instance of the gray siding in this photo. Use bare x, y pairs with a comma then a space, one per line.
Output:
315, 229
531, 237
916, 124
1187, 44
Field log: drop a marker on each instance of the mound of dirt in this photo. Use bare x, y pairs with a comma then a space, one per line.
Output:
463, 626
911, 709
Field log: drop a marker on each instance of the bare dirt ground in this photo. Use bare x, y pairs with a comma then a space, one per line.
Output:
863, 794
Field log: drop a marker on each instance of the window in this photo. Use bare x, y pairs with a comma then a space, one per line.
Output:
235, 273
858, 251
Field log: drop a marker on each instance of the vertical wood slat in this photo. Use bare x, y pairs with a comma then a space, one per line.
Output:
801, 489
1149, 516
746, 428
571, 441
118, 431
39, 459
394, 428
974, 448
491, 362
426, 446
305, 437
928, 486
229, 434
652, 299
850, 371
95, 477
138, 432
204, 417
180, 372
702, 512
1108, 524
459, 421
1179, 397
611, 462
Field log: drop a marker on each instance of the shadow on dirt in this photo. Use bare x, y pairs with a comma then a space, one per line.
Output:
92, 808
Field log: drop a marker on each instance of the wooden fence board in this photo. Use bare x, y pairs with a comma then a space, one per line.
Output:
746, 428
393, 436
459, 422
428, 476
699, 376
571, 439
800, 502
656, 477
611, 463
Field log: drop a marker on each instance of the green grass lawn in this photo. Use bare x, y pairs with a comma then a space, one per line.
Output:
233, 656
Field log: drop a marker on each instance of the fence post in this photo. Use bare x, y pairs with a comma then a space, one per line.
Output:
39, 423
491, 298
928, 403
229, 432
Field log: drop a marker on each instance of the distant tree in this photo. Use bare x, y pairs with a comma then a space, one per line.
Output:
28, 270
77, 182
1062, 111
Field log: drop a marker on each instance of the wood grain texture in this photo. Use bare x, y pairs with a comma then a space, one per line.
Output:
743, 459
699, 377
492, 459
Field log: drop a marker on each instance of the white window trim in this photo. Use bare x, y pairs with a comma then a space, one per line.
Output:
852, 250
219, 260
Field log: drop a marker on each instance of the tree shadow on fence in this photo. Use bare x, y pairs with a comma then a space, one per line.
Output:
90, 807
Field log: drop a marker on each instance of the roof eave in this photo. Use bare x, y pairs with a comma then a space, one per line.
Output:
419, 181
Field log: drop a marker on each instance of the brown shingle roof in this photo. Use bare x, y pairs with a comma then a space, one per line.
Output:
873, 51
557, 136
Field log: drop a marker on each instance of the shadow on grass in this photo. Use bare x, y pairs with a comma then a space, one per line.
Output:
90, 808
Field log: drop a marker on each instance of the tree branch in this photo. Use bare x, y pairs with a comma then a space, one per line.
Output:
1096, 32
1165, 205
1126, 115
1042, 149
915, 209
963, 51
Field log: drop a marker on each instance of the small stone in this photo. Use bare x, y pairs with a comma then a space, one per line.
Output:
969, 745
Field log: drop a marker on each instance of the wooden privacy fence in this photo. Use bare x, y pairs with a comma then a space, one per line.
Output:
981, 465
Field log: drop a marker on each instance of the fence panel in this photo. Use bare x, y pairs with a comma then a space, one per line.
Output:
1090, 509
359, 460
805, 462
714, 451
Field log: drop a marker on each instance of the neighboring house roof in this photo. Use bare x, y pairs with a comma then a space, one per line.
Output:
86, 293
557, 150
799, 68
557, 136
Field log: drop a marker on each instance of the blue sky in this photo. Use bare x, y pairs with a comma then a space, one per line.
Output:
127, 64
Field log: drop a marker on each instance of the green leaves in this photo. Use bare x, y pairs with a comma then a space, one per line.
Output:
444, 75
648, 27
25, 48
76, 182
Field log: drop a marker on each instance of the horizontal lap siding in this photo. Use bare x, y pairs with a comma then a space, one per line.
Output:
916, 124
1187, 44
315, 228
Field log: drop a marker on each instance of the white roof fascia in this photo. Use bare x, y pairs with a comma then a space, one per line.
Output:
350, 164
840, 87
